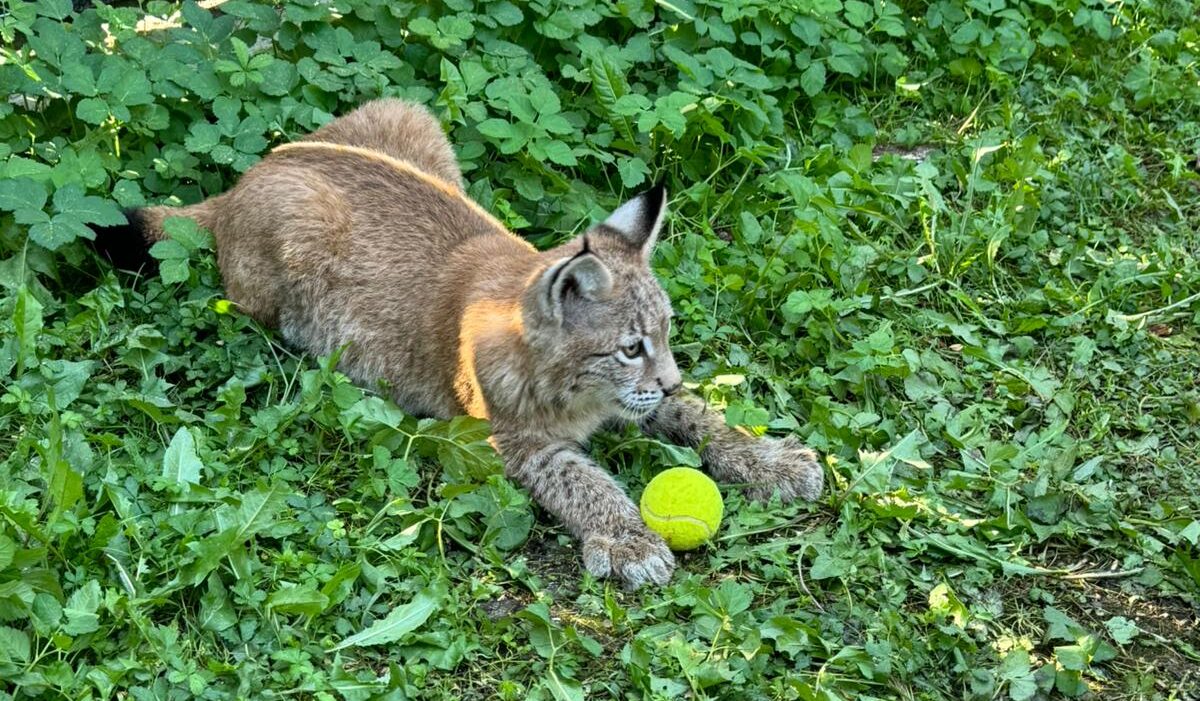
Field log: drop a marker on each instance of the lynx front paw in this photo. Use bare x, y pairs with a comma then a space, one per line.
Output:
636, 558
782, 465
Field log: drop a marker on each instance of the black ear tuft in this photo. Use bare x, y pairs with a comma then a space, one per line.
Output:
640, 219
656, 199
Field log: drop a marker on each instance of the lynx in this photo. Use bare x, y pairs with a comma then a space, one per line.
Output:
360, 236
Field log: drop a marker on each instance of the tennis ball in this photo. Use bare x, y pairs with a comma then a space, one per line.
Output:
683, 506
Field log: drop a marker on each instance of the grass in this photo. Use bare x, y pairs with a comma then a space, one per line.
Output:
951, 246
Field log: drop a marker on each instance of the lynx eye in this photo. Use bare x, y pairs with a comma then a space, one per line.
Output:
633, 350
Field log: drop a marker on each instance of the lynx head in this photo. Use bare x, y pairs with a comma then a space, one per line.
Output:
597, 320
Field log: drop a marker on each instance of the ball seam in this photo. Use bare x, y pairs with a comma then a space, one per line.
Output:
708, 531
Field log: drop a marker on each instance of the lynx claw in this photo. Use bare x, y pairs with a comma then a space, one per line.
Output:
786, 466
636, 559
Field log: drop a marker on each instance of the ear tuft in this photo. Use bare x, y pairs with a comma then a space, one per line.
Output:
640, 219
582, 275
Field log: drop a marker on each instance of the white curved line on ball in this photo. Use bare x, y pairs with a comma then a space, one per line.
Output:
708, 531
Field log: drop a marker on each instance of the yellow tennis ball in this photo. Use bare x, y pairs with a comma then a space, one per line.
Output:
683, 506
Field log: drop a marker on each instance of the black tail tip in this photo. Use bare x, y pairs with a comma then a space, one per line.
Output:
125, 245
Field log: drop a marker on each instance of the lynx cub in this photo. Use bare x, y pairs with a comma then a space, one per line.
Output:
361, 233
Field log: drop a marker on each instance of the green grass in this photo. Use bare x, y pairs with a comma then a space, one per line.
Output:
952, 246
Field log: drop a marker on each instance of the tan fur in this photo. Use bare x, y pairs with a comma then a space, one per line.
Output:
361, 234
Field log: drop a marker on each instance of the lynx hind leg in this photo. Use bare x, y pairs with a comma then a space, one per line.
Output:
401, 129
281, 225
766, 465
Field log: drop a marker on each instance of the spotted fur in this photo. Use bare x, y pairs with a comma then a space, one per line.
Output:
361, 234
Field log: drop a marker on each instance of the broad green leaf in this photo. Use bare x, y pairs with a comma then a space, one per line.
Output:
67, 379
505, 13
1062, 627
256, 513
14, 646
53, 43
563, 688
169, 249
1070, 682
18, 167
81, 610
1022, 688
86, 169
452, 30
180, 464
752, 231
633, 171
812, 80
303, 600
7, 549
1122, 630
278, 78
462, 448
57, 9
555, 124
423, 26
1087, 469
93, 110
340, 585
857, 13
64, 484
88, 209
670, 455
47, 613
401, 621
185, 237
27, 322
216, 611
125, 84
851, 62
60, 230
632, 104
22, 193
609, 87
496, 128
1072, 657
258, 509
559, 153
669, 110
202, 137
544, 633
1042, 381
1015, 665
828, 565
174, 271
15, 595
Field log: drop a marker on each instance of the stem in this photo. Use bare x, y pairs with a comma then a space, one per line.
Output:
1104, 575
1160, 310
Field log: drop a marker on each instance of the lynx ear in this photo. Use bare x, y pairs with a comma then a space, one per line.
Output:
582, 275
640, 219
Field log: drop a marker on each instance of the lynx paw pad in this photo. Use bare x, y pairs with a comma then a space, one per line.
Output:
637, 558
786, 466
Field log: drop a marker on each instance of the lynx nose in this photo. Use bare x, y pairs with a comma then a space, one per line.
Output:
669, 379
